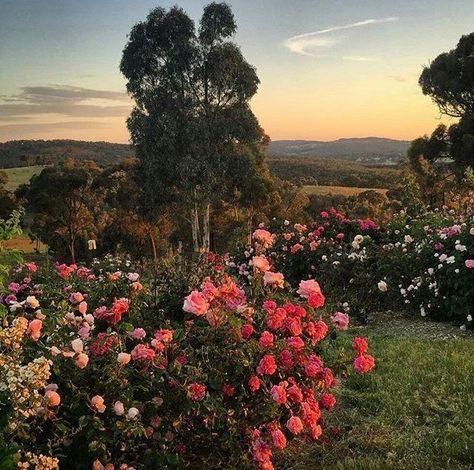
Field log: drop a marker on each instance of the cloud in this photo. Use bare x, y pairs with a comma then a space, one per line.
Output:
317, 39
64, 100
34, 129
358, 58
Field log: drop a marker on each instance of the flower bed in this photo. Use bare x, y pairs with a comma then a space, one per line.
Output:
95, 372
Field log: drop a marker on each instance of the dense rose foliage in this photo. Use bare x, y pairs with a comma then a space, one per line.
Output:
423, 263
113, 379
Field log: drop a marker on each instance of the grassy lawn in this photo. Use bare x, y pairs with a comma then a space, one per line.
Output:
342, 190
416, 411
18, 176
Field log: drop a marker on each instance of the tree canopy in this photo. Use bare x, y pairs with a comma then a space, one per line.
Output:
192, 124
449, 79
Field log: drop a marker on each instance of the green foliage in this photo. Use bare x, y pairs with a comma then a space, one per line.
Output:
449, 78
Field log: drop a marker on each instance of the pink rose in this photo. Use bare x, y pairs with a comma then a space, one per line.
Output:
196, 303
340, 320
278, 394
266, 340
307, 288
469, 263
364, 363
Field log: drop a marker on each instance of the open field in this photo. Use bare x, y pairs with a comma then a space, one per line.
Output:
23, 243
341, 190
415, 412
20, 175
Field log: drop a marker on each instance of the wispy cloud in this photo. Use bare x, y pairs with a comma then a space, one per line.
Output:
319, 39
359, 58
64, 100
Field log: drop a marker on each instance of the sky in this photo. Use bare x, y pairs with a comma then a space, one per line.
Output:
328, 68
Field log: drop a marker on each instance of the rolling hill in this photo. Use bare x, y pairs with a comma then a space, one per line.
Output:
16, 153
376, 150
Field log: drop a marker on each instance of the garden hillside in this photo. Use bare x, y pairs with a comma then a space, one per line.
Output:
193, 300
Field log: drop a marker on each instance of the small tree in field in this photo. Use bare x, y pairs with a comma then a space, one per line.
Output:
192, 118
61, 203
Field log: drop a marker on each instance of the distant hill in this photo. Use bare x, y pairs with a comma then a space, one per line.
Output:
376, 150
16, 153
373, 150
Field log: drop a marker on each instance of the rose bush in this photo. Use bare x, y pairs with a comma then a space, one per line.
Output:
423, 263
95, 373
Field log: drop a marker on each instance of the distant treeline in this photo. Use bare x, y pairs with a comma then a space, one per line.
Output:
329, 172
16, 153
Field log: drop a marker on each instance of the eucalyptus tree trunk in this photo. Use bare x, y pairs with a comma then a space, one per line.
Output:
206, 229
195, 227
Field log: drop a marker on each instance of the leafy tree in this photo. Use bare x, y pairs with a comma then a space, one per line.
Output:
61, 205
449, 79
7, 198
192, 118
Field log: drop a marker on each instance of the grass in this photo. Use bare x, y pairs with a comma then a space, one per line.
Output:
342, 190
415, 411
18, 176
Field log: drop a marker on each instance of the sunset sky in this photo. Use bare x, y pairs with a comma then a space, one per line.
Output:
328, 68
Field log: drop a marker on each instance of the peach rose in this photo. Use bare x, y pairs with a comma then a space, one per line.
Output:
273, 279
54, 399
196, 303
97, 402
261, 263
82, 360
123, 358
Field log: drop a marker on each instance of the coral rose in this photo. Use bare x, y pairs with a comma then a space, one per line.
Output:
267, 365
364, 363
306, 288
295, 425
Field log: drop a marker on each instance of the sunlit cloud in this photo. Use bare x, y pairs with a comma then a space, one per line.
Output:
306, 43
358, 58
